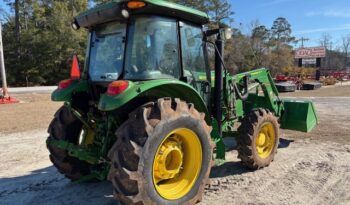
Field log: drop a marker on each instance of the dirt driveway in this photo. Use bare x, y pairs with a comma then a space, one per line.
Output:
311, 168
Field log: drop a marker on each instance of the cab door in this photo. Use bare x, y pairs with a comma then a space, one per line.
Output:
194, 63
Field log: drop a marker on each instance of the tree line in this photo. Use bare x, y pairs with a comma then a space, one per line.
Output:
39, 41
337, 51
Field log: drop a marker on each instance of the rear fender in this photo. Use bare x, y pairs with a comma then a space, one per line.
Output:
65, 95
155, 89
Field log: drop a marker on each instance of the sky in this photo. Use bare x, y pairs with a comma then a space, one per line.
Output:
309, 18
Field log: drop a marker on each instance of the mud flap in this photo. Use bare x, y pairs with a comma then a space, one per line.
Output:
298, 115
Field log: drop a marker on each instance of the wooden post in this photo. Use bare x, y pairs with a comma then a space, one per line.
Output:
2, 66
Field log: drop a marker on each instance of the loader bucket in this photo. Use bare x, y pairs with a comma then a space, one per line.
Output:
298, 115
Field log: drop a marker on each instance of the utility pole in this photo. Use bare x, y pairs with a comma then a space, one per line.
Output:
2, 66
302, 41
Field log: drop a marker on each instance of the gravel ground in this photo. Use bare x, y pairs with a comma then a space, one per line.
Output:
34, 111
304, 173
312, 168
309, 168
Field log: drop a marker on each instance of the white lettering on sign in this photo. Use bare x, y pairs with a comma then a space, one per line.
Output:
309, 61
316, 52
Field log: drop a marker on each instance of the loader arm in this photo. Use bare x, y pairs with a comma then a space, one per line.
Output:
299, 115
261, 91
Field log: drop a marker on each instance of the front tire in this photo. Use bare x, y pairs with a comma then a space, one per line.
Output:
258, 139
163, 155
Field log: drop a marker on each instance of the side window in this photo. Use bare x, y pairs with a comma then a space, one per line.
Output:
194, 64
192, 52
107, 51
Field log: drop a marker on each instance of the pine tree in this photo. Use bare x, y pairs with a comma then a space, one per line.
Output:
281, 30
46, 40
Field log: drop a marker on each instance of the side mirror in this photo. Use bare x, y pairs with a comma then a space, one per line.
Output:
227, 33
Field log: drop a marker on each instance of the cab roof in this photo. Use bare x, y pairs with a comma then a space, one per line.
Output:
113, 11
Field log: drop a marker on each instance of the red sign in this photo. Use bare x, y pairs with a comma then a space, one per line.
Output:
316, 52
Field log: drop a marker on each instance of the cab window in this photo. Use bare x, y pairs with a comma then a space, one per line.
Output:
193, 59
152, 51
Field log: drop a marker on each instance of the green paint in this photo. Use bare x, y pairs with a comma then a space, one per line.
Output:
218, 140
158, 89
99, 8
74, 150
299, 115
111, 10
268, 99
173, 6
296, 115
100, 174
78, 115
66, 94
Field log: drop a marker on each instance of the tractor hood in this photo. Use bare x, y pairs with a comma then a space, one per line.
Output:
113, 11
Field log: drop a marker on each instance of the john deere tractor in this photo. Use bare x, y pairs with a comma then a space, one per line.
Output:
147, 113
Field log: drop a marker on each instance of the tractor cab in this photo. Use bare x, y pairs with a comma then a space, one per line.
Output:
145, 42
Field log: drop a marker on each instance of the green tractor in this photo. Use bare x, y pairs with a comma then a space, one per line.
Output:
148, 114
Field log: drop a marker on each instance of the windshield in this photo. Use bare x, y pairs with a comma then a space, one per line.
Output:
107, 51
152, 51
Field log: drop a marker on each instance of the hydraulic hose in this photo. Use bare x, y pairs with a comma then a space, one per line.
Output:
241, 96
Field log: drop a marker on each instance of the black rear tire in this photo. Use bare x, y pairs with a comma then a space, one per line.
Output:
65, 126
137, 142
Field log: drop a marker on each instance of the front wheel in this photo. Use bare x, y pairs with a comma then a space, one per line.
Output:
258, 139
163, 155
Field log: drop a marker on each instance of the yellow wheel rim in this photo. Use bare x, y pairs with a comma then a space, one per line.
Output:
177, 164
265, 141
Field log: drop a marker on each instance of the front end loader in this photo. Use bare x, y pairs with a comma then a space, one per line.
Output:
147, 113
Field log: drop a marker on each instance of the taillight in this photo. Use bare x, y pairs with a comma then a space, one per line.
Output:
117, 87
136, 4
64, 84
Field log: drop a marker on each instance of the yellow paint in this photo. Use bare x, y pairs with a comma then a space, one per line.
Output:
265, 141
177, 164
89, 139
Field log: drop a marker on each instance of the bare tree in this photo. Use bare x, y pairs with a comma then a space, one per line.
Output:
259, 39
345, 48
327, 42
